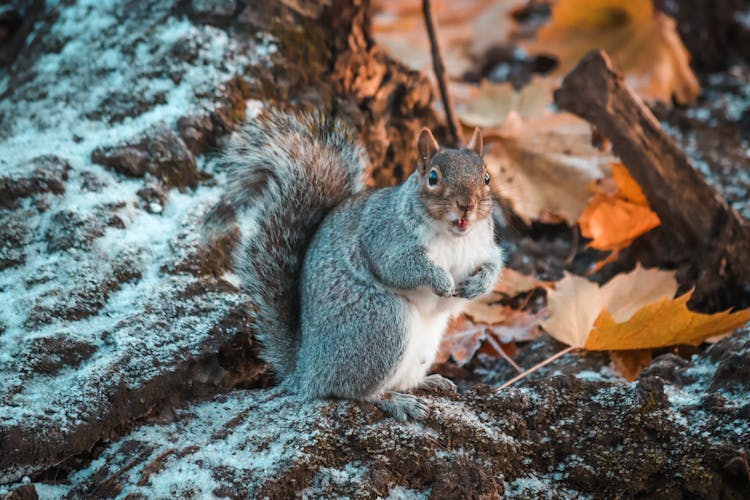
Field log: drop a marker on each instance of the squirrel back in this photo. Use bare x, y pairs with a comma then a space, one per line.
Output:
285, 174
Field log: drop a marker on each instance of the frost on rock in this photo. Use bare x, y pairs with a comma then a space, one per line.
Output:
110, 304
559, 436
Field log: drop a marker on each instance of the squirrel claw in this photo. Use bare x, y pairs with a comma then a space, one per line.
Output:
403, 407
438, 382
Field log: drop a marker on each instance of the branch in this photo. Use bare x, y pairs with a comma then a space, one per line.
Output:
437, 65
536, 367
691, 211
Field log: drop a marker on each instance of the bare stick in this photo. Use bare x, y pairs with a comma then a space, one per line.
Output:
439, 68
536, 367
497, 347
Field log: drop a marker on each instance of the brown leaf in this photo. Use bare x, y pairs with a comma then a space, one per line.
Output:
630, 363
465, 30
464, 338
512, 283
486, 309
544, 166
641, 40
488, 105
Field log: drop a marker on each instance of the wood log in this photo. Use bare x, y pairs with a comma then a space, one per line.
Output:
692, 212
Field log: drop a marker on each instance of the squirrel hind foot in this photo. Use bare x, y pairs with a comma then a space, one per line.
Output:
439, 383
403, 407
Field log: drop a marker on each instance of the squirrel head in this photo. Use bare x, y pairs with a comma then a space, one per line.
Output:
453, 183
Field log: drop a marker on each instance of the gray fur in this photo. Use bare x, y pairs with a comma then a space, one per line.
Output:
438, 382
337, 324
291, 171
479, 282
403, 407
366, 250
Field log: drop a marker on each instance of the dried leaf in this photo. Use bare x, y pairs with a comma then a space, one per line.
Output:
630, 363
464, 338
632, 311
512, 283
488, 105
664, 323
614, 219
544, 166
486, 309
627, 187
613, 223
517, 326
461, 341
641, 40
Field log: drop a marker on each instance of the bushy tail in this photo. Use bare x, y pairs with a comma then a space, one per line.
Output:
285, 174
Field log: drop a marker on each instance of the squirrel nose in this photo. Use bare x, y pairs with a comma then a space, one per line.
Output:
466, 206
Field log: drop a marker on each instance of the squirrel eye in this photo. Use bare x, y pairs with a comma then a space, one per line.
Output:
487, 178
432, 178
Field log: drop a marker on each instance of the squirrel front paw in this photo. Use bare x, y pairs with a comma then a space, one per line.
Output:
475, 285
445, 285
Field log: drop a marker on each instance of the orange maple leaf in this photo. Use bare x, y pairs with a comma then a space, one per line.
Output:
614, 220
632, 311
663, 323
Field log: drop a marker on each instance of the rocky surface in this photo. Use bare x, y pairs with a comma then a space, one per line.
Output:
569, 432
112, 308
126, 361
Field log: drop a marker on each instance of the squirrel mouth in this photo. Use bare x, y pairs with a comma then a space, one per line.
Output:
461, 224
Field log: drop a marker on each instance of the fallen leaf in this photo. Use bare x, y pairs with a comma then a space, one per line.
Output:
629, 364
614, 219
632, 311
643, 42
543, 166
464, 338
627, 187
575, 303
488, 105
518, 326
461, 341
664, 323
486, 309
512, 283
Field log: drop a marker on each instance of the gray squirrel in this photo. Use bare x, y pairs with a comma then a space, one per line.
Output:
353, 288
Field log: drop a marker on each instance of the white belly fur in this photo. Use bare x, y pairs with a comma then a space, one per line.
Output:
429, 314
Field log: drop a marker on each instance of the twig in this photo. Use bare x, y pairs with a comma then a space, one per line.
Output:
573, 246
497, 347
536, 367
110, 481
151, 467
439, 69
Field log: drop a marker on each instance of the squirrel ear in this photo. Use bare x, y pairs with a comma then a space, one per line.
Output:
427, 146
475, 144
